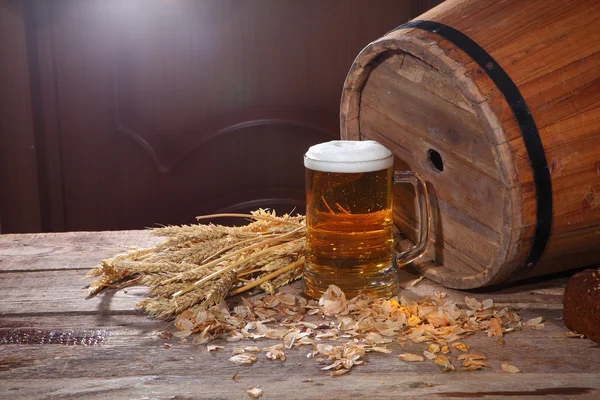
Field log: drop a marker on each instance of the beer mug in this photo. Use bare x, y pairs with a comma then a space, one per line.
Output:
349, 225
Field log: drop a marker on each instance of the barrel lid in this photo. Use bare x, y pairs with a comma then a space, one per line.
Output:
403, 92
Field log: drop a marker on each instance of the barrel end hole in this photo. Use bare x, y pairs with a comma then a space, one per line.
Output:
435, 160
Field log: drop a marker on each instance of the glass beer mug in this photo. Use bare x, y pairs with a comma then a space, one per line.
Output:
349, 224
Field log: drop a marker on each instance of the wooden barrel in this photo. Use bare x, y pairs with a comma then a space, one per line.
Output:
496, 105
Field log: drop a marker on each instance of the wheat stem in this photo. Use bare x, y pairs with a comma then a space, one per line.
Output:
257, 217
230, 267
268, 277
246, 273
236, 253
252, 239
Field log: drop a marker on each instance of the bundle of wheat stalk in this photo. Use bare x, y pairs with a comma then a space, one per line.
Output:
199, 265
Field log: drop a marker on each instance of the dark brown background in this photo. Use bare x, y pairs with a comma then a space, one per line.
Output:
123, 114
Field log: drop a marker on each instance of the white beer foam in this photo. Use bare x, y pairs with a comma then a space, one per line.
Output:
348, 156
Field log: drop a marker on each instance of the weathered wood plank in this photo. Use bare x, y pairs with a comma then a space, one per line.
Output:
481, 195
131, 350
60, 291
55, 343
48, 251
385, 385
63, 291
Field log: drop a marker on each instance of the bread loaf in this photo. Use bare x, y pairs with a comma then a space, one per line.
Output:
582, 304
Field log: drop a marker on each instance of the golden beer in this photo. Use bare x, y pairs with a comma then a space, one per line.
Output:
349, 219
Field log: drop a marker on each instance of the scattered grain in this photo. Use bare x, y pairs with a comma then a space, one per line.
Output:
255, 393
509, 368
409, 357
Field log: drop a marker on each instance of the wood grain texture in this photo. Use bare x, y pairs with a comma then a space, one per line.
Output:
537, 46
43, 305
84, 249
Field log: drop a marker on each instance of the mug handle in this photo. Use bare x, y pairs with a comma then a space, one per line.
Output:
424, 211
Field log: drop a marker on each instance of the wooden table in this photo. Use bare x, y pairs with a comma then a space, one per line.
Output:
56, 343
